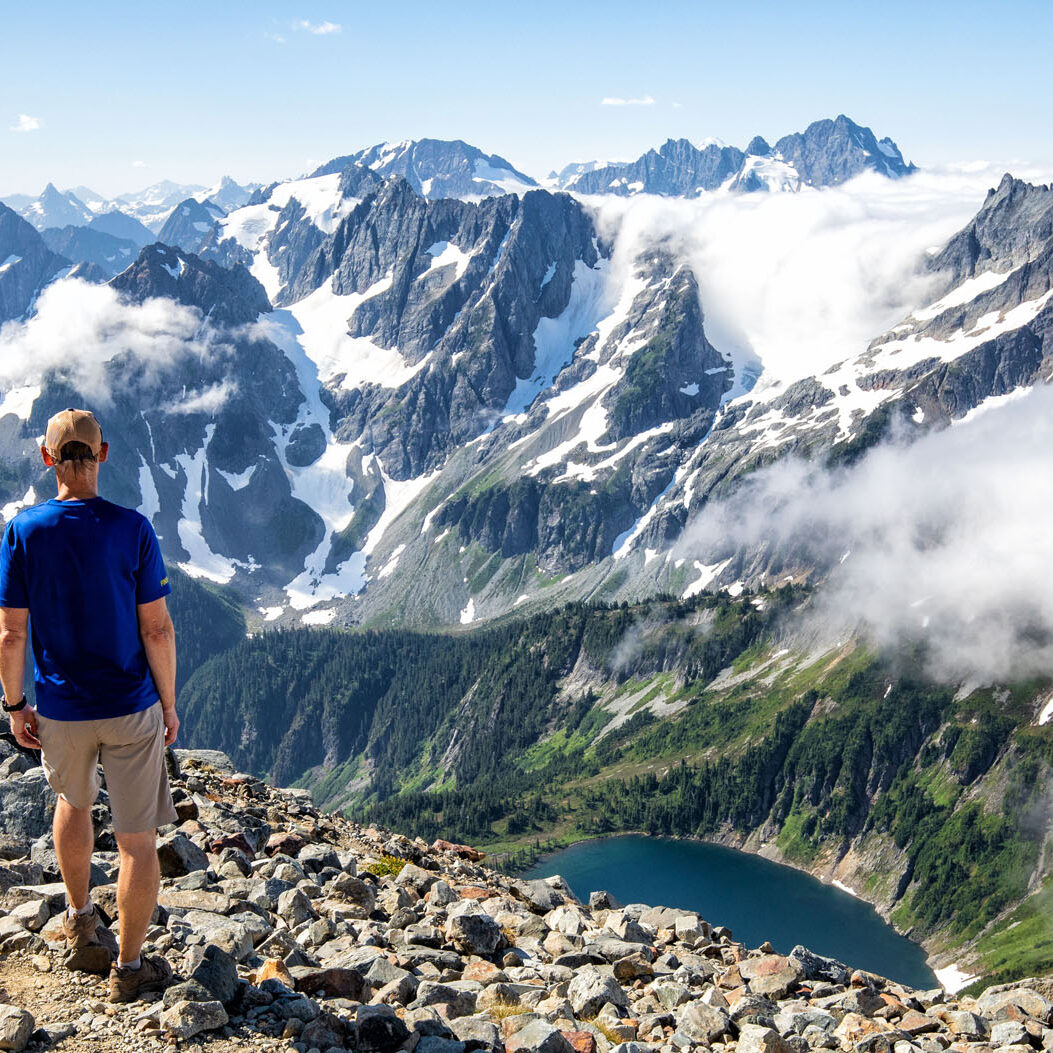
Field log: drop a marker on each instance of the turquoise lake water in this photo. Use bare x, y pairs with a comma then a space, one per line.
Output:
757, 899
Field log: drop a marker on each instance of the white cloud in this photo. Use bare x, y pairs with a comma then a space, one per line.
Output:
138, 164
948, 540
208, 400
319, 29
86, 333
614, 100
25, 123
798, 282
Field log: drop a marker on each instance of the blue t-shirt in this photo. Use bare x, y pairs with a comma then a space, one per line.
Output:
81, 568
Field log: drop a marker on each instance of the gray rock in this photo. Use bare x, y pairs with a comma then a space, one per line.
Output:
1009, 1033
437, 1044
358, 894
818, 967
32, 915
416, 878
186, 1019
539, 1036
669, 993
215, 970
458, 1000
227, 934
704, 1023
477, 1034
294, 908
539, 895
756, 1039
473, 933
27, 804
187, 991
378, 1030
179, 855
265, 893
591, 990
16, 1025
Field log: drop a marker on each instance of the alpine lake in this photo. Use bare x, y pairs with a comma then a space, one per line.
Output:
757, 899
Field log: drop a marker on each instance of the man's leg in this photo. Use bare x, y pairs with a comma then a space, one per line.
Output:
74, 841
137, 885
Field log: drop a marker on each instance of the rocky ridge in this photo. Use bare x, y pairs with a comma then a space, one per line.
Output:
290, 929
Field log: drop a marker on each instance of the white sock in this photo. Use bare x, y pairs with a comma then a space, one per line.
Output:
82, 911
131, 965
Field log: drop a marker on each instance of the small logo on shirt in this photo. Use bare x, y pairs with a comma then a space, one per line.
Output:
164, 581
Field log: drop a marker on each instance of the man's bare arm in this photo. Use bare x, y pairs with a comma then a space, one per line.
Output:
14, 622
158, 636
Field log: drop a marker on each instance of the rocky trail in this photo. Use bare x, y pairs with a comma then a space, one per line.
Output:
293, 930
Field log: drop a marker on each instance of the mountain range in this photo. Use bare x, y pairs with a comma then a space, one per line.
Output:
396, 406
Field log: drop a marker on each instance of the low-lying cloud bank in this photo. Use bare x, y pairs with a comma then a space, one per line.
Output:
947, 540
794, 282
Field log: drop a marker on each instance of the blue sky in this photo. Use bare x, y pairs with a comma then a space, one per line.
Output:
118, 95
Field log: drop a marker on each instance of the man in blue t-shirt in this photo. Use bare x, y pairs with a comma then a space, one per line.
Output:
84, 579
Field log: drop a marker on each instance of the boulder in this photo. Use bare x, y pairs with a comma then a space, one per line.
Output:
477, 1034
704, 1023
539, 1036
756, 1039
186, 1019
215, 970
591, 990
16, 1025
227, 934
473, 933
539, 895
360, 895
330, 983
294, 908
27, 804
178, 855
818, 967
378, 1030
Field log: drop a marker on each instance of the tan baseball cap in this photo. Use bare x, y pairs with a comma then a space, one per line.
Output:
73, 425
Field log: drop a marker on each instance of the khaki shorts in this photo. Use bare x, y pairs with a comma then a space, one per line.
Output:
133, 758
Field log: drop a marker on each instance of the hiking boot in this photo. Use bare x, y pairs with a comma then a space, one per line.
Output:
90, 946
128, 985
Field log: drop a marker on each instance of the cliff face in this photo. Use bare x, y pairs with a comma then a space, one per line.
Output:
282, 922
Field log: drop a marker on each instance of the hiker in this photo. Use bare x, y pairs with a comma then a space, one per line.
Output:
88, 578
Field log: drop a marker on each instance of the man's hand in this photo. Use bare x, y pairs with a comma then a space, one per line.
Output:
171, 725
24, 728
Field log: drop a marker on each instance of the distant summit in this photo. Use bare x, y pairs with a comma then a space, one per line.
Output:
438, 168
826, 153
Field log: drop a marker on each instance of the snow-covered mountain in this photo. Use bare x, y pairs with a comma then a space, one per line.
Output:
438, 168
227, 194
827, 153
351, 400
190, 224
55, 209
26, 265
153, 204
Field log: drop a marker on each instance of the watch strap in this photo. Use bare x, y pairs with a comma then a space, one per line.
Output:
12, 709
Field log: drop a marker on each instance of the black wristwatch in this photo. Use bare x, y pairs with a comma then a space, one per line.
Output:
11, 709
